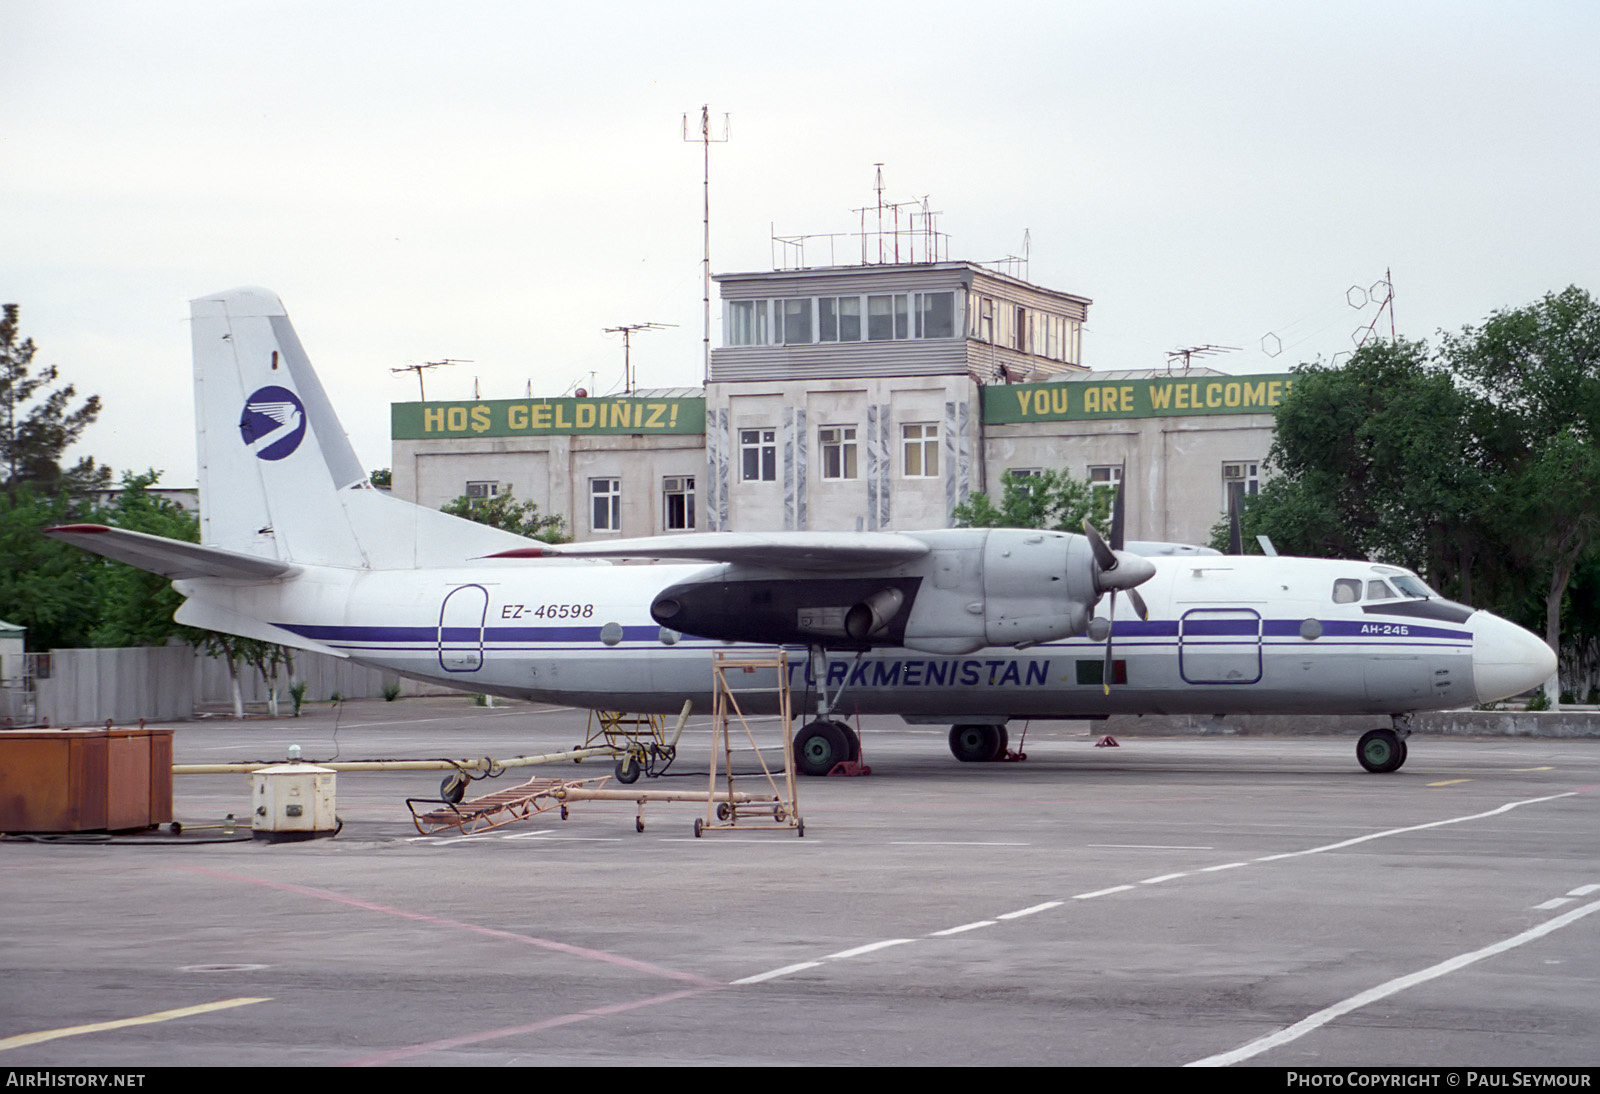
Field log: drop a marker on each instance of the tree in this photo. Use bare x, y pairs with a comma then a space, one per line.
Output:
382, 477
1538, 371
1050, 499
503, 511
38, 422
1376, 459
136, 607
45, 585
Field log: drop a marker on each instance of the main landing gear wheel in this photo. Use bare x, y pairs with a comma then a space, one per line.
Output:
1381, 750
819, 746
978, 743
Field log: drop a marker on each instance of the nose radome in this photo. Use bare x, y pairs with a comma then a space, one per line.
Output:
1506, 659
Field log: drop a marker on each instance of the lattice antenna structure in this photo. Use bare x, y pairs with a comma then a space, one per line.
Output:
627, 348
420, 369
706, 140
1188, 354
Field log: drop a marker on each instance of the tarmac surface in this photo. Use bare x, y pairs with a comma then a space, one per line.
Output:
1258, 901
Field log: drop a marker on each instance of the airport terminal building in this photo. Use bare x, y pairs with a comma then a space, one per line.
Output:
871, 397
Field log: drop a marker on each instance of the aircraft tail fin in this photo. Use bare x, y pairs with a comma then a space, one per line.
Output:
278, 476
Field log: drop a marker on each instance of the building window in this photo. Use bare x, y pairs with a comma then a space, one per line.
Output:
678, 503
839, 319
1105, 477
747, 322
1240, 479
888, 317
758, 455
838, 443
605, 505
936, 315
796, 322
480, 492
920, 445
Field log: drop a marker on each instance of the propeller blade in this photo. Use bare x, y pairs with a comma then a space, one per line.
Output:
1105, 673
1138, 604
1103, 555
1117, 528
1235, 532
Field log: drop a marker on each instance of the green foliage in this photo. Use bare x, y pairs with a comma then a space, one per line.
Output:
1051, 499
391, 691
382, 477
46, 586
503, 511
1371, 460
38, 422
297, 692
136, 607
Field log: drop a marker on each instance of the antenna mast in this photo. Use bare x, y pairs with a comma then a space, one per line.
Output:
627, 353
419, 369
706, 140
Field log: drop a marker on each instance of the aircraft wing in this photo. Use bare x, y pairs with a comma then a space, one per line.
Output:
171, 558
790, 550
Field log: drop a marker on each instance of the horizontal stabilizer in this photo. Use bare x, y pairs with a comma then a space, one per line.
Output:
171, 558
794, 550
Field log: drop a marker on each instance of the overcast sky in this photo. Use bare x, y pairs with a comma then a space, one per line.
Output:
499, 182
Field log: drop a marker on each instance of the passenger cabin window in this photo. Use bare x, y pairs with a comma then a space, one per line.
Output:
1346, 590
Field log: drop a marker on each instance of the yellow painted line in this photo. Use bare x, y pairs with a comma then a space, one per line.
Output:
143, 1020
1450, 782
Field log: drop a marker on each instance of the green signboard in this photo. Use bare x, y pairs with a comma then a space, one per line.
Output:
1083, 400
541, 417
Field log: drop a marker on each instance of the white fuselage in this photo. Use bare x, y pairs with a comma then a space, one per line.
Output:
1224, 635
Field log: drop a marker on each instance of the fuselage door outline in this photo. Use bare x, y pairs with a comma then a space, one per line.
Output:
461, 619
1220, 646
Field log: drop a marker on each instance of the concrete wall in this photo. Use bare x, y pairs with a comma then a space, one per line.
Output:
86, 687
168, 683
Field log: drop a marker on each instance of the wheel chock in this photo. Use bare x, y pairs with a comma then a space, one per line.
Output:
850, 768
1108, 741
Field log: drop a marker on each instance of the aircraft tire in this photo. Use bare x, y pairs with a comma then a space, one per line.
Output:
977, 743
1380, 751
851, 740
627, 769
818, 747
453, 788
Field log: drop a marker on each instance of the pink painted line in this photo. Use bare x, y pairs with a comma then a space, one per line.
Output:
380, 1059
439, 921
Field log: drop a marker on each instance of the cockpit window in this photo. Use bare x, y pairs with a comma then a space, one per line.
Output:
1346, 590
1411, 586
1377, 590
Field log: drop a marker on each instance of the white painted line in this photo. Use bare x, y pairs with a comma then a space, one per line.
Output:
952, 843
785, 971
868, 948
1163, 877
963, 927
1151, 846
1506, 808
1045, 907
1224, 866
1383, 991
1552, 904
1584, 890
1102, 892
550, 837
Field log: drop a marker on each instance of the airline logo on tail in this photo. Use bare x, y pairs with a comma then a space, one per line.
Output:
273, 423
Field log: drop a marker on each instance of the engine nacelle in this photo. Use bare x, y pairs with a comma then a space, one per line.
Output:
977, 587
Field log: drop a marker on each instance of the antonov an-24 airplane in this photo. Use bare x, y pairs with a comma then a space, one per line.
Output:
970, 626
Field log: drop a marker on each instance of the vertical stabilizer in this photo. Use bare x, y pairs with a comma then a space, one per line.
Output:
278, 477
